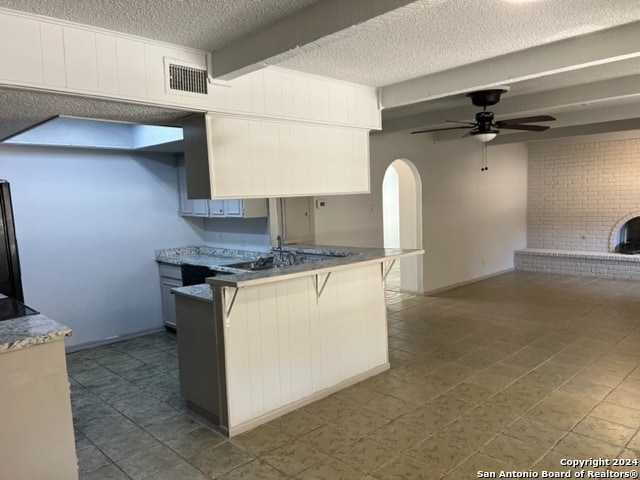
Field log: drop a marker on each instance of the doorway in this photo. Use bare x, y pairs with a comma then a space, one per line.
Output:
402, 223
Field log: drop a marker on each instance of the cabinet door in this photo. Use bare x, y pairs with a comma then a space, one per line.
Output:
189, 207
233, 208
216, 208
168, 301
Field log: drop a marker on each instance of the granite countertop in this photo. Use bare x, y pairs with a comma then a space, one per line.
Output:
30, 330
199, 292
304, 263
211, 257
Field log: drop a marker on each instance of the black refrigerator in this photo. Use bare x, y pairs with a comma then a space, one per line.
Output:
10, 277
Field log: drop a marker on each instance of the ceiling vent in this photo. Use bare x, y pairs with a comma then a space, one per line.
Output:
185, 78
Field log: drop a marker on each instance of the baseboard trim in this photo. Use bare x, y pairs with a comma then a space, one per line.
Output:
109, 341
468, 282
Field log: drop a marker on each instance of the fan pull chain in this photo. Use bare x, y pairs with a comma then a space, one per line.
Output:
484, 166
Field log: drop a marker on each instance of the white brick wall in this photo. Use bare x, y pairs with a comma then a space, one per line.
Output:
578, 192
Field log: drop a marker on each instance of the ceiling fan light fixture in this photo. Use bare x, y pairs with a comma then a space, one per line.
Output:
484, 137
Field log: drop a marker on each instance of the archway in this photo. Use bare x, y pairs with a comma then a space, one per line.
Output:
402, 220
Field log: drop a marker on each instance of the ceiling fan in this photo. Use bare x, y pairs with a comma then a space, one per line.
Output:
485, 128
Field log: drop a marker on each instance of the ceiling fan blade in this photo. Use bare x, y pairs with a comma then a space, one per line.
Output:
439, 129
537, 118
532, 128
471, 124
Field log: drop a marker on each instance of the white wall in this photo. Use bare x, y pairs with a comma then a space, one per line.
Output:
88, 223
240, 233
472, 220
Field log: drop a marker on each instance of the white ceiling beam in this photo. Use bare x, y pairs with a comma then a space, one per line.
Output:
543, 102
598, 48
285, 38
574, 131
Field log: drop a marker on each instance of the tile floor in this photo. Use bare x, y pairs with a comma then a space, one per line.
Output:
511, 373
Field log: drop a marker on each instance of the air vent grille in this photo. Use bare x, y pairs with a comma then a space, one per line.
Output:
187, 79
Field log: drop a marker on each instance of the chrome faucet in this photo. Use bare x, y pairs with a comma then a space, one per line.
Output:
279, 243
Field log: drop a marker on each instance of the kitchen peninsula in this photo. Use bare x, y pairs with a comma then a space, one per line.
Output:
294, 326
37, 440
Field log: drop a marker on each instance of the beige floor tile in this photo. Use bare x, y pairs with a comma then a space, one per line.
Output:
331, 408
629, 461
262, 439
631, 384
388, 406
536, 432
551, 462
561, 409
399, 436
581, 446
403, 468
439, 454
254, 470
187, 444
601, 377
293, 458
299, 422
478, 462
618, 414
512, 451
604, 430
361, 422
582, 386
470, 393
634, 444
626, 398
330, 469
465, 433
365, 455
218, 460
330, 438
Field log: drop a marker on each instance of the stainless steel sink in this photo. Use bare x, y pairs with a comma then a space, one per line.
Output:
253, 265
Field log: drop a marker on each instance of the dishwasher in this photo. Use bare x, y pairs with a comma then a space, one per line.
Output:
196, 274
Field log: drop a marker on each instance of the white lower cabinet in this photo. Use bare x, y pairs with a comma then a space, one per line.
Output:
170, 277
234, 208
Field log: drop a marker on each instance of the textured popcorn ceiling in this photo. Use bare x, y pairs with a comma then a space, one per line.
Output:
423, 39
202, 24
21, 109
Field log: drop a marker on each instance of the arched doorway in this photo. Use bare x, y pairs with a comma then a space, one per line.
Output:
402, 220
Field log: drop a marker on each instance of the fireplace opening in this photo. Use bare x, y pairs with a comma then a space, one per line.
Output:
630, 237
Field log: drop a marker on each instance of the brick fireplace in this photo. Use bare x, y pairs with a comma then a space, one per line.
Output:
581, 193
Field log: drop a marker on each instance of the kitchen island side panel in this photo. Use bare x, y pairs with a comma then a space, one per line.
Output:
285, 347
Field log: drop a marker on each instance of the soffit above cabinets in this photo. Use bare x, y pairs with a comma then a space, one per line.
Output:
419, 52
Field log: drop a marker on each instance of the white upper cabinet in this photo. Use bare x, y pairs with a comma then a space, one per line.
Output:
236, 208
246, 157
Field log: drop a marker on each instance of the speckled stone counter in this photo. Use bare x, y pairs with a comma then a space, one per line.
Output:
211, 257
23, 332
332, 258
199, 292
